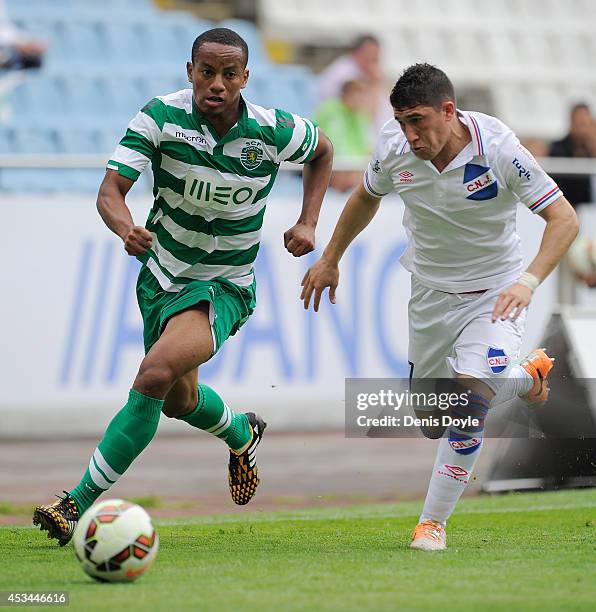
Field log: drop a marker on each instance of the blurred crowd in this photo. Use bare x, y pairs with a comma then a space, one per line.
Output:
353, 105
18, 50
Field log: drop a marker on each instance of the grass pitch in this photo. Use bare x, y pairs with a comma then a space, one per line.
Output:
513, 552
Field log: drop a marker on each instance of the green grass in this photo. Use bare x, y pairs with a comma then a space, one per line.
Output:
514, 552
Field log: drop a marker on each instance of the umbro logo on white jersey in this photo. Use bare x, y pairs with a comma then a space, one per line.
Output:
405, 177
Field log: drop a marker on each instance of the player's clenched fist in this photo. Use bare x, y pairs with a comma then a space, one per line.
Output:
137, 240
323, 274
300, 239
511, 302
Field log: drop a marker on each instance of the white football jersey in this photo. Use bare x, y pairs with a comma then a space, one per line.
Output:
461, 223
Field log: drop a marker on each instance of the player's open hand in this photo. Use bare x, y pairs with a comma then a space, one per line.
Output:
137, 240
511, 302
300, 239
319, 277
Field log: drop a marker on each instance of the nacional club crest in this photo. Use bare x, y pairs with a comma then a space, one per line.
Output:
480, 183
497, 359
251, 156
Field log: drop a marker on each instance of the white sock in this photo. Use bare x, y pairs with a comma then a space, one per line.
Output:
450, 476
518, 382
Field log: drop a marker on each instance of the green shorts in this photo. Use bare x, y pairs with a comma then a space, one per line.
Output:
230, 305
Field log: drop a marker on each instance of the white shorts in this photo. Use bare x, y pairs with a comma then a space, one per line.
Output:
452, 333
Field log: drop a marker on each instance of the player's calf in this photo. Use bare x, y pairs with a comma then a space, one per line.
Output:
457, 454
241, 432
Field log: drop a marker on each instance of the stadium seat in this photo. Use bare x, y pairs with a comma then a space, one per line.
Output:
104, 61
7, 144
38, 100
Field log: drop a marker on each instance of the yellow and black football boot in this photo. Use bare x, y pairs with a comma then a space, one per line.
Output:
58, 519
242, 468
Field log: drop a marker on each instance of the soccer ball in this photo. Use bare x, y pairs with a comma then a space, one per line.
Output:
114, 541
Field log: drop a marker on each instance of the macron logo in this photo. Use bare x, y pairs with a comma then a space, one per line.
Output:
198, 139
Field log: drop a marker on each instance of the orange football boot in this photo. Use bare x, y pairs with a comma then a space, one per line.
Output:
538, 365
429, 535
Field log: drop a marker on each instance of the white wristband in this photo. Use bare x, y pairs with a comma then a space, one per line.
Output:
528, 280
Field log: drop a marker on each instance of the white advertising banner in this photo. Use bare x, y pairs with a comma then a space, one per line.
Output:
72, 336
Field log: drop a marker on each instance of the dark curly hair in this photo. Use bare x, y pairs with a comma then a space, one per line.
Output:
422, 84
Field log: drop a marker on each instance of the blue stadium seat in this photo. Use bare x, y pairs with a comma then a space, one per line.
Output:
7, 144
105, 60
35, 140
165, 44
291, 88
124, 44
125, 96
161, 85
37, 101
84, 43
79, 140
87, 102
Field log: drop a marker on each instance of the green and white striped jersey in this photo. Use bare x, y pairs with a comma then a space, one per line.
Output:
210, 191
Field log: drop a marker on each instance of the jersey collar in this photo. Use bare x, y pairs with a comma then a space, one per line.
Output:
234, 132
473, 149
472, 124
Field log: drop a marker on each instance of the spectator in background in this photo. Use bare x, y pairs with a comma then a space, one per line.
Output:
579, 142
361, 63
349, 127
17, 49
536, 146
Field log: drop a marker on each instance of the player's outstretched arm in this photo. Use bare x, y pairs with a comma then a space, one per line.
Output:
112, 207
560, 231
300, 239
356, 215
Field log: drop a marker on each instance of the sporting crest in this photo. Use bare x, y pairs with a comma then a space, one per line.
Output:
251, 156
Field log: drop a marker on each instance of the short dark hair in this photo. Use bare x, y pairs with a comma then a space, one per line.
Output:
223, 36
422, 84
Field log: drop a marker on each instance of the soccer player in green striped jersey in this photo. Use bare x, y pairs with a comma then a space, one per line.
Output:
215, 157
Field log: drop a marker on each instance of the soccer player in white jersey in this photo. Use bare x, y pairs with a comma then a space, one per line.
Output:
214, 157
460, 175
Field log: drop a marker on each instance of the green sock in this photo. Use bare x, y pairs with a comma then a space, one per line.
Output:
214, 416
127, 435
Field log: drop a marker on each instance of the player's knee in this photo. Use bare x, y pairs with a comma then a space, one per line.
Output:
430, 424
432, 433
154, 379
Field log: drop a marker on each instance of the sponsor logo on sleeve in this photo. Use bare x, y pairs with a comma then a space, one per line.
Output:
286, 122
522, 171
376, 168
497, 359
